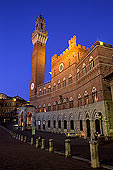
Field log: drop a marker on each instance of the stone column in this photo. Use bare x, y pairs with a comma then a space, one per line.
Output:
92, 129
94, 154
50, 145
24, 118
67, 148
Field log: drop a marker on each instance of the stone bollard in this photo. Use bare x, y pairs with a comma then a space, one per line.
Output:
50, 145
14, 135
67, 148
43, 144
37, 143
21, 137
31, 140
17, 136
25, 139
94, 154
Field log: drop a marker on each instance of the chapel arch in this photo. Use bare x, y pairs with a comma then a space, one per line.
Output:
21, 119
29, 119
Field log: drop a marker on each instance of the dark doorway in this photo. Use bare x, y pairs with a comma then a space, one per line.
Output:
81, 125
72, 125
59, 124
54, 123
88, 127
48, 123
65, 124
97, 126
44, 124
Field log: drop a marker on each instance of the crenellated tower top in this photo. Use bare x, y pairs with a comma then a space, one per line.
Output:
39, 35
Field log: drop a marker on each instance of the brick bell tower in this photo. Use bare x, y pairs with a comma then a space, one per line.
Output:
39, 38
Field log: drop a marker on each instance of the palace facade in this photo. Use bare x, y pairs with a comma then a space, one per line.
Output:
79, 97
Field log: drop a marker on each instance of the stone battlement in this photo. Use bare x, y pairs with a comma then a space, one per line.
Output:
72, 42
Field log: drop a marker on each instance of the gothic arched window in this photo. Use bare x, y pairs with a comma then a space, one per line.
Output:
70, 79
59, 84
78, 74
91, 62
84, 68
64, 82
94, 95
86, 98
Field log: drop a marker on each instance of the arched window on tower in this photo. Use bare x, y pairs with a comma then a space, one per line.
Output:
91, 62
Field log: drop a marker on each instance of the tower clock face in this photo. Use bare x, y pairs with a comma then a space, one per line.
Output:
61, 66
32, 86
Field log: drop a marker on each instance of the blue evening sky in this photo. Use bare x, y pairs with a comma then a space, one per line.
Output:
87, 19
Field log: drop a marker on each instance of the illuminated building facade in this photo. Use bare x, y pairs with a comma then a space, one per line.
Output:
79, 97
9, 106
